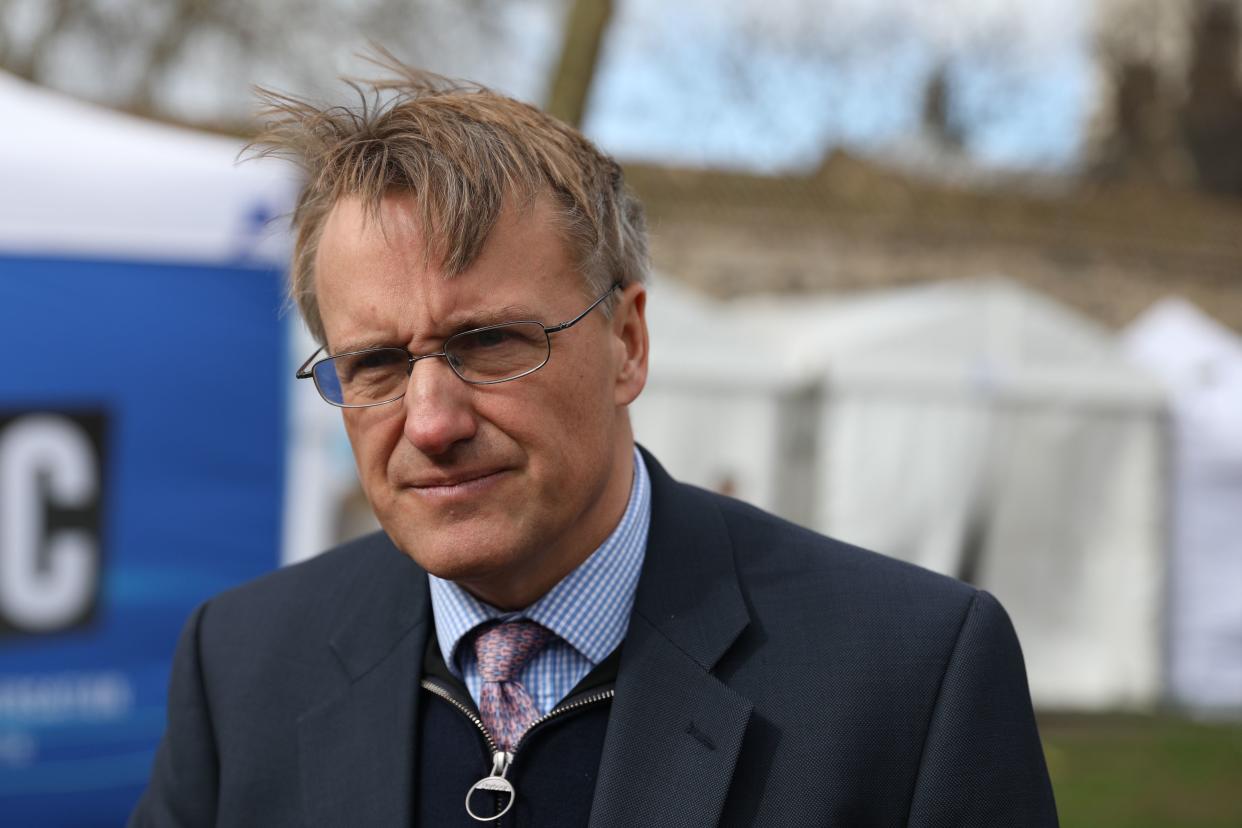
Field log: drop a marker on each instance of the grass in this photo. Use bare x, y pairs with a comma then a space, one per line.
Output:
1120, 771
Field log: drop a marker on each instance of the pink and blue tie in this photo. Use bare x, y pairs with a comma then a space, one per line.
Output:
502, 651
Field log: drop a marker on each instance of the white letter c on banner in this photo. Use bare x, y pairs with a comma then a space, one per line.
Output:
45, 593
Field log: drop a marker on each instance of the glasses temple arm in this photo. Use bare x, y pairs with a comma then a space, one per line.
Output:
581, 316
302, 373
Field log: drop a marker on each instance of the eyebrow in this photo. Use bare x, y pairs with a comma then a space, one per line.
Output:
481, 319
467, 321
364, 345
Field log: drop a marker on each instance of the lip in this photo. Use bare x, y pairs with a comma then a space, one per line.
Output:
462, 483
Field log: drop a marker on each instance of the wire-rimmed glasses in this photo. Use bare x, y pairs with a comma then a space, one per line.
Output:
480, 356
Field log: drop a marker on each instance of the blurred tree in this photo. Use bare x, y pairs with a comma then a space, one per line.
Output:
585, 28
1143, 142
1211, 117
196, 60
1174, 98
776, 85
940, 122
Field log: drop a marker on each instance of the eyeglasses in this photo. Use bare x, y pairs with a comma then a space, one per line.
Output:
482, 356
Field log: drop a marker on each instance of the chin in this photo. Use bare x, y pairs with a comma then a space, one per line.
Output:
458, 555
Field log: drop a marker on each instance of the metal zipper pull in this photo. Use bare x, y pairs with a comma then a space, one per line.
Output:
496, 783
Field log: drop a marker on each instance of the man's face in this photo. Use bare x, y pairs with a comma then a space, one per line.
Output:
503, 488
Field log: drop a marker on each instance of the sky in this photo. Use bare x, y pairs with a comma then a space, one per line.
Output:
767, 85
772, 85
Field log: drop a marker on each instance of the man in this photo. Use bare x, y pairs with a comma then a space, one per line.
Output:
550, 631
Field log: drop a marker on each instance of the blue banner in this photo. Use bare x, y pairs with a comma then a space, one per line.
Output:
141, 471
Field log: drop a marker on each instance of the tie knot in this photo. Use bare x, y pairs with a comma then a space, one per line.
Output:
503, 650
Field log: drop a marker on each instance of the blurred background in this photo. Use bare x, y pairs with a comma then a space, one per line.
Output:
960, 282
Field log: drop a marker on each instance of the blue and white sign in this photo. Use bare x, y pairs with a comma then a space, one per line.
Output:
142, 434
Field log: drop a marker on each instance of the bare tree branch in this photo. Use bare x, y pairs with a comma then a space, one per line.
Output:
584, 33
28, 64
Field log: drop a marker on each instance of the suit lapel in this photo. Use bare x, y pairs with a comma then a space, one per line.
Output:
675, 731
356, 751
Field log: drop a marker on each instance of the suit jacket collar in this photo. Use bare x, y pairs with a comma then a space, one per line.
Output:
689, 588
676, 731
356, 750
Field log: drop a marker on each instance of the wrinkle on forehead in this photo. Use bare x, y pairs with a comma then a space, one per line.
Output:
526, 240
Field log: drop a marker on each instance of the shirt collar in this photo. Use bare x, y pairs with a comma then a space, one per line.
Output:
589, 608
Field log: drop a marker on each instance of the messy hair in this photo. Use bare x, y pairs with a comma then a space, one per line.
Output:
462, 152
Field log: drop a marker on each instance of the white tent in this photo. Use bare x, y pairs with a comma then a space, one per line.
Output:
1200, 362
972, 427
80, 179
720, 407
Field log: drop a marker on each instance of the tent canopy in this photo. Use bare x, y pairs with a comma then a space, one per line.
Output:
83, 180
990, 337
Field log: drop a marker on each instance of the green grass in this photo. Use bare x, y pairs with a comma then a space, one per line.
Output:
1144, 771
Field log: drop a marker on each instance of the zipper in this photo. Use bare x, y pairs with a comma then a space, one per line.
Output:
502, 761
447, 695
582, 701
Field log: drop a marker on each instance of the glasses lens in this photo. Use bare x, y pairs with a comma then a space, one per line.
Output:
499, 352
364, 378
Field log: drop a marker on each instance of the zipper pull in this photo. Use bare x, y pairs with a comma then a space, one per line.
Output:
496, 783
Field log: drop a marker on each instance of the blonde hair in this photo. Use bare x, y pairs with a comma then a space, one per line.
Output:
461, 151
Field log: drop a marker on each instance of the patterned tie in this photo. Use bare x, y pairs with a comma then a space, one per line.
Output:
502, 651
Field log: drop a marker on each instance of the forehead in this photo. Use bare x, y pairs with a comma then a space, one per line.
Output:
374, 278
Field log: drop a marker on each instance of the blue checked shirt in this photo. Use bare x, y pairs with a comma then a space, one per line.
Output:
589, 610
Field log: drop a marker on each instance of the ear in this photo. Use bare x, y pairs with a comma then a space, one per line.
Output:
629, 329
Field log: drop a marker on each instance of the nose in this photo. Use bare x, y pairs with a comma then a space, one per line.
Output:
438, 410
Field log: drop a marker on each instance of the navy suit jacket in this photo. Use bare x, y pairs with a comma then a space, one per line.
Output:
770, 676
